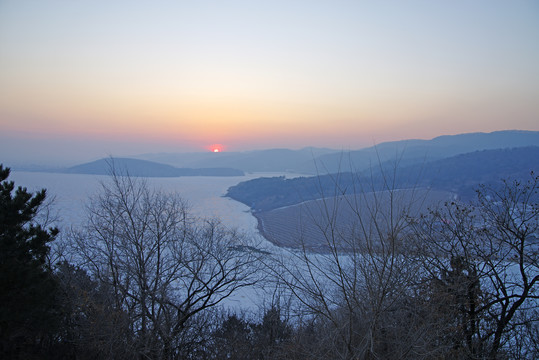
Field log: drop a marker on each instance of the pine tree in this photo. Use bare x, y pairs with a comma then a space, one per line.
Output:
27, 288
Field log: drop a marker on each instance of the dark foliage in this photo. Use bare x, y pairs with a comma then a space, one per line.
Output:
28, 315
237, 338
91, 327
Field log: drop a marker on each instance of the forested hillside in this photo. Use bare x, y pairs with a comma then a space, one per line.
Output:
460, 174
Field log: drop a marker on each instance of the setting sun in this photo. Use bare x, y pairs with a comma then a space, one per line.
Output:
215, 148
342, 77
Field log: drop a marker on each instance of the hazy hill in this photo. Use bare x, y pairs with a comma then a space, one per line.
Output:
320, 160
136, 167
271, 160
410, 152
460, 174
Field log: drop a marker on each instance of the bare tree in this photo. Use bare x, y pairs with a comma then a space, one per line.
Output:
165, 268
482, 266
358, 286
459, 282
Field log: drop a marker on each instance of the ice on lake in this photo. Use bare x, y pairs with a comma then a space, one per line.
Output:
205, 195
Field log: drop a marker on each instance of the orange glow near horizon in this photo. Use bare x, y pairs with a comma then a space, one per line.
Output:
215, 148
191, 75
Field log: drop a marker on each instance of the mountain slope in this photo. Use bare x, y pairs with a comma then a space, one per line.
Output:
460, 174
319, 160
136, 167
408, 152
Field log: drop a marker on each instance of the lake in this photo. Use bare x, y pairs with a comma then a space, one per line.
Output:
71, 193
205, 195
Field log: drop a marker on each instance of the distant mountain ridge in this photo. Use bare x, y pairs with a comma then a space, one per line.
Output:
408, 152
321, 160
270, 160
460, 174
145, 168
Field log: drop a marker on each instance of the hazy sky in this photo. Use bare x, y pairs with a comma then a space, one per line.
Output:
91, 78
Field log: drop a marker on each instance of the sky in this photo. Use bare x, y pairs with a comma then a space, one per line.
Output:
86, 79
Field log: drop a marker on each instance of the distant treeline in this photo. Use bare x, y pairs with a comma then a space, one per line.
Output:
460, 174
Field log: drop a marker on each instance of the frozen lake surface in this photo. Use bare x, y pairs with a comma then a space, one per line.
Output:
205, 195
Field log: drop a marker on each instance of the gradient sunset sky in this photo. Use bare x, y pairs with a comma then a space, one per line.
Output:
86, 79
